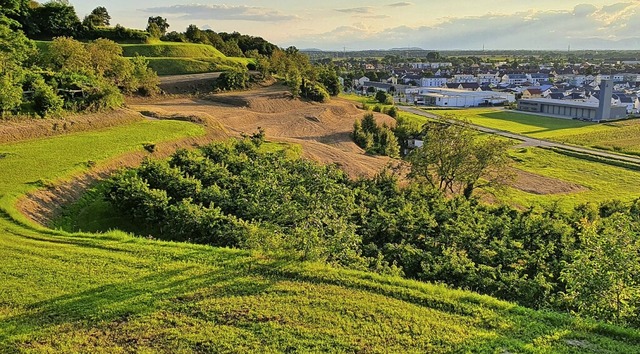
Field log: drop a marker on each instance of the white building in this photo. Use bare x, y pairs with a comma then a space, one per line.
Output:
433, 81
463, 78
443, 97
488, 79
514, 79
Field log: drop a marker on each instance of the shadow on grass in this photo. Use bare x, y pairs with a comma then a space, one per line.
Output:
117, 301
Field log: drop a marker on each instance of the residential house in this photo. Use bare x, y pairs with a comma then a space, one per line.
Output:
532, 93
467, 86
537, 78
624, 100
556, 95
361, 81
514, 79
464, 78
379, 86
488, 79
435, 81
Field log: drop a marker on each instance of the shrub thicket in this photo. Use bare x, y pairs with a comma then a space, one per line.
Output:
374, 138
234, 195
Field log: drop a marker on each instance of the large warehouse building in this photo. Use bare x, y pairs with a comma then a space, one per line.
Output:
442, 97
604, 110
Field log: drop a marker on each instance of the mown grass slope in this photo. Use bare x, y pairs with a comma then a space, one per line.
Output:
170, 58
171, 49
620, 136
113, 292
601, 182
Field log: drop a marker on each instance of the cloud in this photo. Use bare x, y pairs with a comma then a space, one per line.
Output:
357, 10
400, 4
376, 17
584, 27
222, 12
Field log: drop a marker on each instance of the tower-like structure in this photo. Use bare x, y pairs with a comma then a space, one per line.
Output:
606, 94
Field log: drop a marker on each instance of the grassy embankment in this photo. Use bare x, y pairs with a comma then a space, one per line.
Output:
168, 58
183, 58
114, 292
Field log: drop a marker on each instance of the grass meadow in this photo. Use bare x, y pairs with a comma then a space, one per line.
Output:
113, 292
621, 136
601, 182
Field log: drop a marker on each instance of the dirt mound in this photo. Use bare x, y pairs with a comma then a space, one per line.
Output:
322, 129
11, 131
542, 185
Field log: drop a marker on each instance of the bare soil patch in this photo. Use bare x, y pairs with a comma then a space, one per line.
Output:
542, 185
17, 130
322, 129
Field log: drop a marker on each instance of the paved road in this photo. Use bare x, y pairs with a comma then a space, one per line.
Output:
529, 141
174, 79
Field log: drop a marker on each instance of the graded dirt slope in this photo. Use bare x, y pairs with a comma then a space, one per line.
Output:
321, 129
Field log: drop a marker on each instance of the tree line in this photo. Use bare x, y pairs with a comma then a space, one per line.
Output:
66, 75
586, 261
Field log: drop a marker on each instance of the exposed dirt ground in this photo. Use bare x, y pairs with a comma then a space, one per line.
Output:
16, 130
542, 185
321, 129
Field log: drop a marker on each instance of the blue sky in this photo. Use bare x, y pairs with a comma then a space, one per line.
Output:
376, 24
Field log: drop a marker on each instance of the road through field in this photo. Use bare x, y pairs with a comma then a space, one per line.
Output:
529, 141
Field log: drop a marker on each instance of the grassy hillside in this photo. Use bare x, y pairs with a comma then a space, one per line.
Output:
173, 50
116, 293
621, 136
168, 58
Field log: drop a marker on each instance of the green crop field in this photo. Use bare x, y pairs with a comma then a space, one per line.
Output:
621, 136
113, 292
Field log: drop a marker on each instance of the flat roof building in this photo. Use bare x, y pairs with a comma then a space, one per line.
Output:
443, 97
603, 110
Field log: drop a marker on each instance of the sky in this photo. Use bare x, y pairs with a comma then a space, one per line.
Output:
385, 24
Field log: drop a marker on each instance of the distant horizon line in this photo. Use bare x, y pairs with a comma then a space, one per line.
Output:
416, 49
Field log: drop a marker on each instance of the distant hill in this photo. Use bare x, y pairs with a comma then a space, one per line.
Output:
406, 48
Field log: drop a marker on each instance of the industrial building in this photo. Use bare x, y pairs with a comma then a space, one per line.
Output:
603, 110
443, 97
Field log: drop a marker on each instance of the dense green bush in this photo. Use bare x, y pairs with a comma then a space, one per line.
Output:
375, 139
118, 33
316, 92
234, 79
233, 194
45, 100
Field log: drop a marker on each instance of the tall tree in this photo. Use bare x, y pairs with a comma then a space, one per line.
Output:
454, 158
100, 16
161, 22
56, 18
